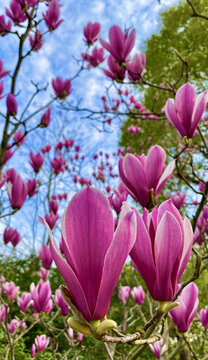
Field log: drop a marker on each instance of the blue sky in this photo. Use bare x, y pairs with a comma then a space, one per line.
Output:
55, 58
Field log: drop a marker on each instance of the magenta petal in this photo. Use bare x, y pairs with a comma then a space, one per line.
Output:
187, 247
69, 276
168, 249
142, 255
189, 297
172, 116
133, 169
168, 206
165, 176
116, 38
154, 165
129, 43
106, 45
184, 102
89, 221
199, 108
123, 241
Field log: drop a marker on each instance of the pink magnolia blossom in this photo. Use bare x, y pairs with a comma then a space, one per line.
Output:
115, 72
28, 3
2, 313
91, 31
32, 187
4, 28
19, 137
41, 296
45, 257
10, 289
123, 293
79, 337
91, 282
203, 317
16, 13
46, 149
61, 303
162, 249
11, 235
96, 58
62, 88
187, 110
33, 351
178, 199
138, 294
36, 161
23, 325
136, 67
183, 314
140, 174
24, 301
58, 164
158, 348
17, 191
43, 274
118, 197
11, 104
134, 129
51, 16
46, 118
51, 219
120, 44
11, 175
2, 71
36, 41
13, 326
41, 341
53, 206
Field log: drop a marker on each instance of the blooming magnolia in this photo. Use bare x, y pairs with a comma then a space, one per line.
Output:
51, 16
51, 219
36, 161
15, 13
62, 88
140, 174
115, 72
136, 67
118, 197
36, 41
41, 296
4, 28
178, 199
32, 187
203, 317
120, 44
91, 31
11, 235
11, 104
187, 110
158, 348
162, 249
96, 58
183, 314
24, 301
138, 294
91, 282
41, 342
14, 325
45, 257
17, 190
10, 289
46, 118
19, 137
123, 293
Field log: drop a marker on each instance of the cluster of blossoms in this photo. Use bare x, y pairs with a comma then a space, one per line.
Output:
137, 293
